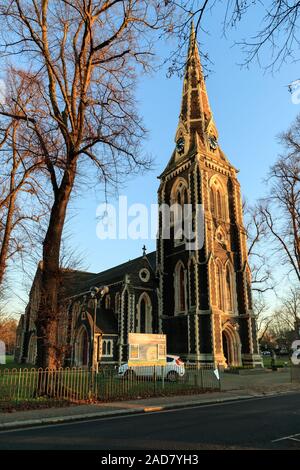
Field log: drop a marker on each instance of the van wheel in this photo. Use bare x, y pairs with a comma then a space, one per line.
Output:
173, 376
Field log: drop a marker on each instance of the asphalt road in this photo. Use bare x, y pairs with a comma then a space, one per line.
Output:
264, 423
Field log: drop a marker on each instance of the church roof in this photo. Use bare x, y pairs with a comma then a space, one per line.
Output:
72, 282
130, 267
107, 321
77, 282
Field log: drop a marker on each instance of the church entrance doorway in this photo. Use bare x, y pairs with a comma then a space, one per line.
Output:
231, 346
225, 347
82, 348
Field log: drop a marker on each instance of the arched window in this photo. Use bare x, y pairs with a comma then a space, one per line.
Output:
229, 303
212, 201
184, 197
217, 200
125, 305
219, 279
192, 283
144, 314
107, 348
76, 309
179, 198
249, 291
180, 288
219, 204
82, 348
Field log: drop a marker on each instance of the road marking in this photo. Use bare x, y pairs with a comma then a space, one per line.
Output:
291, 436
153, 408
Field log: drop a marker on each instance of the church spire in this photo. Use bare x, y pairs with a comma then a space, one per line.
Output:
195, 114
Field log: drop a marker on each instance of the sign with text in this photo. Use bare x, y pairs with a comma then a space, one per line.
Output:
147, 349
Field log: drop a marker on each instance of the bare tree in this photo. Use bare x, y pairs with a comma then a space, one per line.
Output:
276, 31
281, 209
8, 327
84, 56
262, 316
21, 189
289, 313
285, 320
257, 234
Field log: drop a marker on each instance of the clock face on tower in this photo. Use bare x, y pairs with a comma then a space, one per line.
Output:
180, 145
213, 143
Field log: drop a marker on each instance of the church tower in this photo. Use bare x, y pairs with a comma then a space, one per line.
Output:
205, 291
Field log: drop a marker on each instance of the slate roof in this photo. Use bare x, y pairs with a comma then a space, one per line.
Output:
107, 321
76, 282
73, 282
118, 272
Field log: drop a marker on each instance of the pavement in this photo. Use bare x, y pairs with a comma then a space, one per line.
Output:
72, 413
265, 380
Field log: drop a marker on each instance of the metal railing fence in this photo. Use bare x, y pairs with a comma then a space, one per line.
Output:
75, 384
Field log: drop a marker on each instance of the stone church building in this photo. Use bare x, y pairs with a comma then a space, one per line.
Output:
201, 298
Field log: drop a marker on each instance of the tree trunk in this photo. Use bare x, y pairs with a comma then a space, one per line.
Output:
8, 227
6, 237
48, 312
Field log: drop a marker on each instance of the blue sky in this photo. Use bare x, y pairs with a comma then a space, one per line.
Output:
250, 108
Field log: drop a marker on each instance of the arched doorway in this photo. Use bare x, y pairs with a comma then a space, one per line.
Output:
225, 348
82, 348
180, 288
231, 346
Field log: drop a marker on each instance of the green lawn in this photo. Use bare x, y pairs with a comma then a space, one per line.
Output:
281, 361
11, 364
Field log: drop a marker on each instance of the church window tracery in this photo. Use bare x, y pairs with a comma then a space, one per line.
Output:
229, 302
219, 282
144, 314
179, 199
180, 288
217, 200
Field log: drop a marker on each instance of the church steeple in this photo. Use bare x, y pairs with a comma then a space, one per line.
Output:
195, 113
196, 131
